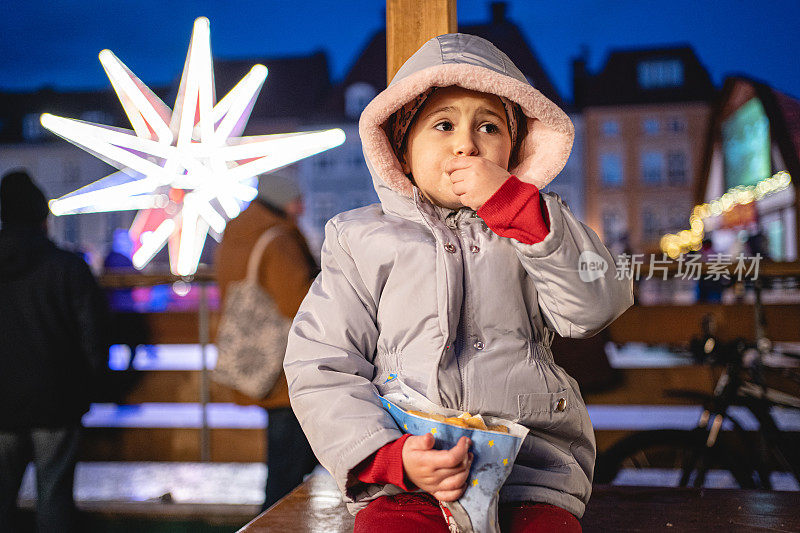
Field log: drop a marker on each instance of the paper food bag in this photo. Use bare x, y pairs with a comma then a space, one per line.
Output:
493, 456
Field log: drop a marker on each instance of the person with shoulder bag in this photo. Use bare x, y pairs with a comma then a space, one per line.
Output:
265, 240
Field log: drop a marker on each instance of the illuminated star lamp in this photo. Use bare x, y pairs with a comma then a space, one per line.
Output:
185, 170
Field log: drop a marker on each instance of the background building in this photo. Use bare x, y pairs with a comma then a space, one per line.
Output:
645, 116
754, 133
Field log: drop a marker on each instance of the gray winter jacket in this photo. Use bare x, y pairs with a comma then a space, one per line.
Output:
456, 312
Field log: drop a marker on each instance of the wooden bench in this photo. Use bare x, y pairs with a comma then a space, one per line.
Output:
316, 506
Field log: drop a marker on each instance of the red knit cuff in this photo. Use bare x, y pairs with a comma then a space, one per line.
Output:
515, 211
385, 466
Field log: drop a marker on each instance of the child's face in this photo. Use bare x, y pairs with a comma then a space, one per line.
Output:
454, 122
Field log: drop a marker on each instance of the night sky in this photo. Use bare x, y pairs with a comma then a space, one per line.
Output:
55, 43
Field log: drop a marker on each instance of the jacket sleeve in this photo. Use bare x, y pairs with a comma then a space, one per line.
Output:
575, 275
516, 210
329, 370
386, 466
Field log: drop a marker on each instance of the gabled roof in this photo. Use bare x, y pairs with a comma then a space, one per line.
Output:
617, 83
507, 36
787, 118
783, 113
370, 66
296, 87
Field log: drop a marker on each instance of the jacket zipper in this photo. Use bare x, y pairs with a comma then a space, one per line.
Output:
462, 331
459, 352
467, 320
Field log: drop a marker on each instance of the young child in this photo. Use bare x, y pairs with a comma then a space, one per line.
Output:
451, 285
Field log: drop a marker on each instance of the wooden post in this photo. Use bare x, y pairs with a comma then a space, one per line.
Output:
204, 338
410, 23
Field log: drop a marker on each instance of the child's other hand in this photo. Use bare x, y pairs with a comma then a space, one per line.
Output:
442, 473
475, 179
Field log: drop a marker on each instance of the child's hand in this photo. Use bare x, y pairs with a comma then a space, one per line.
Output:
442, 473
475, 179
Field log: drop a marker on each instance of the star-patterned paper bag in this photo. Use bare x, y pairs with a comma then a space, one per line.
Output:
493, 455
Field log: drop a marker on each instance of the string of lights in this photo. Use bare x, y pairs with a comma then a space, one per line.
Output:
675, 244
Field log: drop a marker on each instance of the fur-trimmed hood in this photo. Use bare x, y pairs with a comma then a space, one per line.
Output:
472, 63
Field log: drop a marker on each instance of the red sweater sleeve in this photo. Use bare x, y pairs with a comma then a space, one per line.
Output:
386, 466
515, 211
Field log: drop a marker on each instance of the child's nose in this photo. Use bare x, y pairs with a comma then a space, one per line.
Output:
465, 145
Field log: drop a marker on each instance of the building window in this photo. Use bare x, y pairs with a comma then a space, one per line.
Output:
650, 225
32, 129
675, 125
98, 117
650, 126
652, 167
676, 168
323, 162
610, 128
677, 220
72, 231
323, 207
611, 169
72, 174
570, 174
612, 227
356, 98
776, 235
660, 73
355, 160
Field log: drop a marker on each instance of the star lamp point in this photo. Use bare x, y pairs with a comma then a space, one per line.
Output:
186, 170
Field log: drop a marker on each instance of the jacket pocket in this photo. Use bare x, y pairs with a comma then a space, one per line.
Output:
554, 420
555, 414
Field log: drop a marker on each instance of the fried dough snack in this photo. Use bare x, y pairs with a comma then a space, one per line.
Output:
464, 420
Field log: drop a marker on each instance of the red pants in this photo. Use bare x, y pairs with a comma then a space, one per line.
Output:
420, 512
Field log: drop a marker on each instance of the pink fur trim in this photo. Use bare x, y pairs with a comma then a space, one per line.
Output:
543, 153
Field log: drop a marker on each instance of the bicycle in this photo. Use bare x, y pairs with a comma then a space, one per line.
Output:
693, 454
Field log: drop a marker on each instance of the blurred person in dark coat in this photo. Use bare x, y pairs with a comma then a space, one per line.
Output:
286, 271
52, 355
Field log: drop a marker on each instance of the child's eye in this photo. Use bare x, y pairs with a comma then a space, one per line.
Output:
490, 128
446, 125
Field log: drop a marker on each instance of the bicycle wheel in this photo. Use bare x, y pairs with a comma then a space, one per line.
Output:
671, 457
